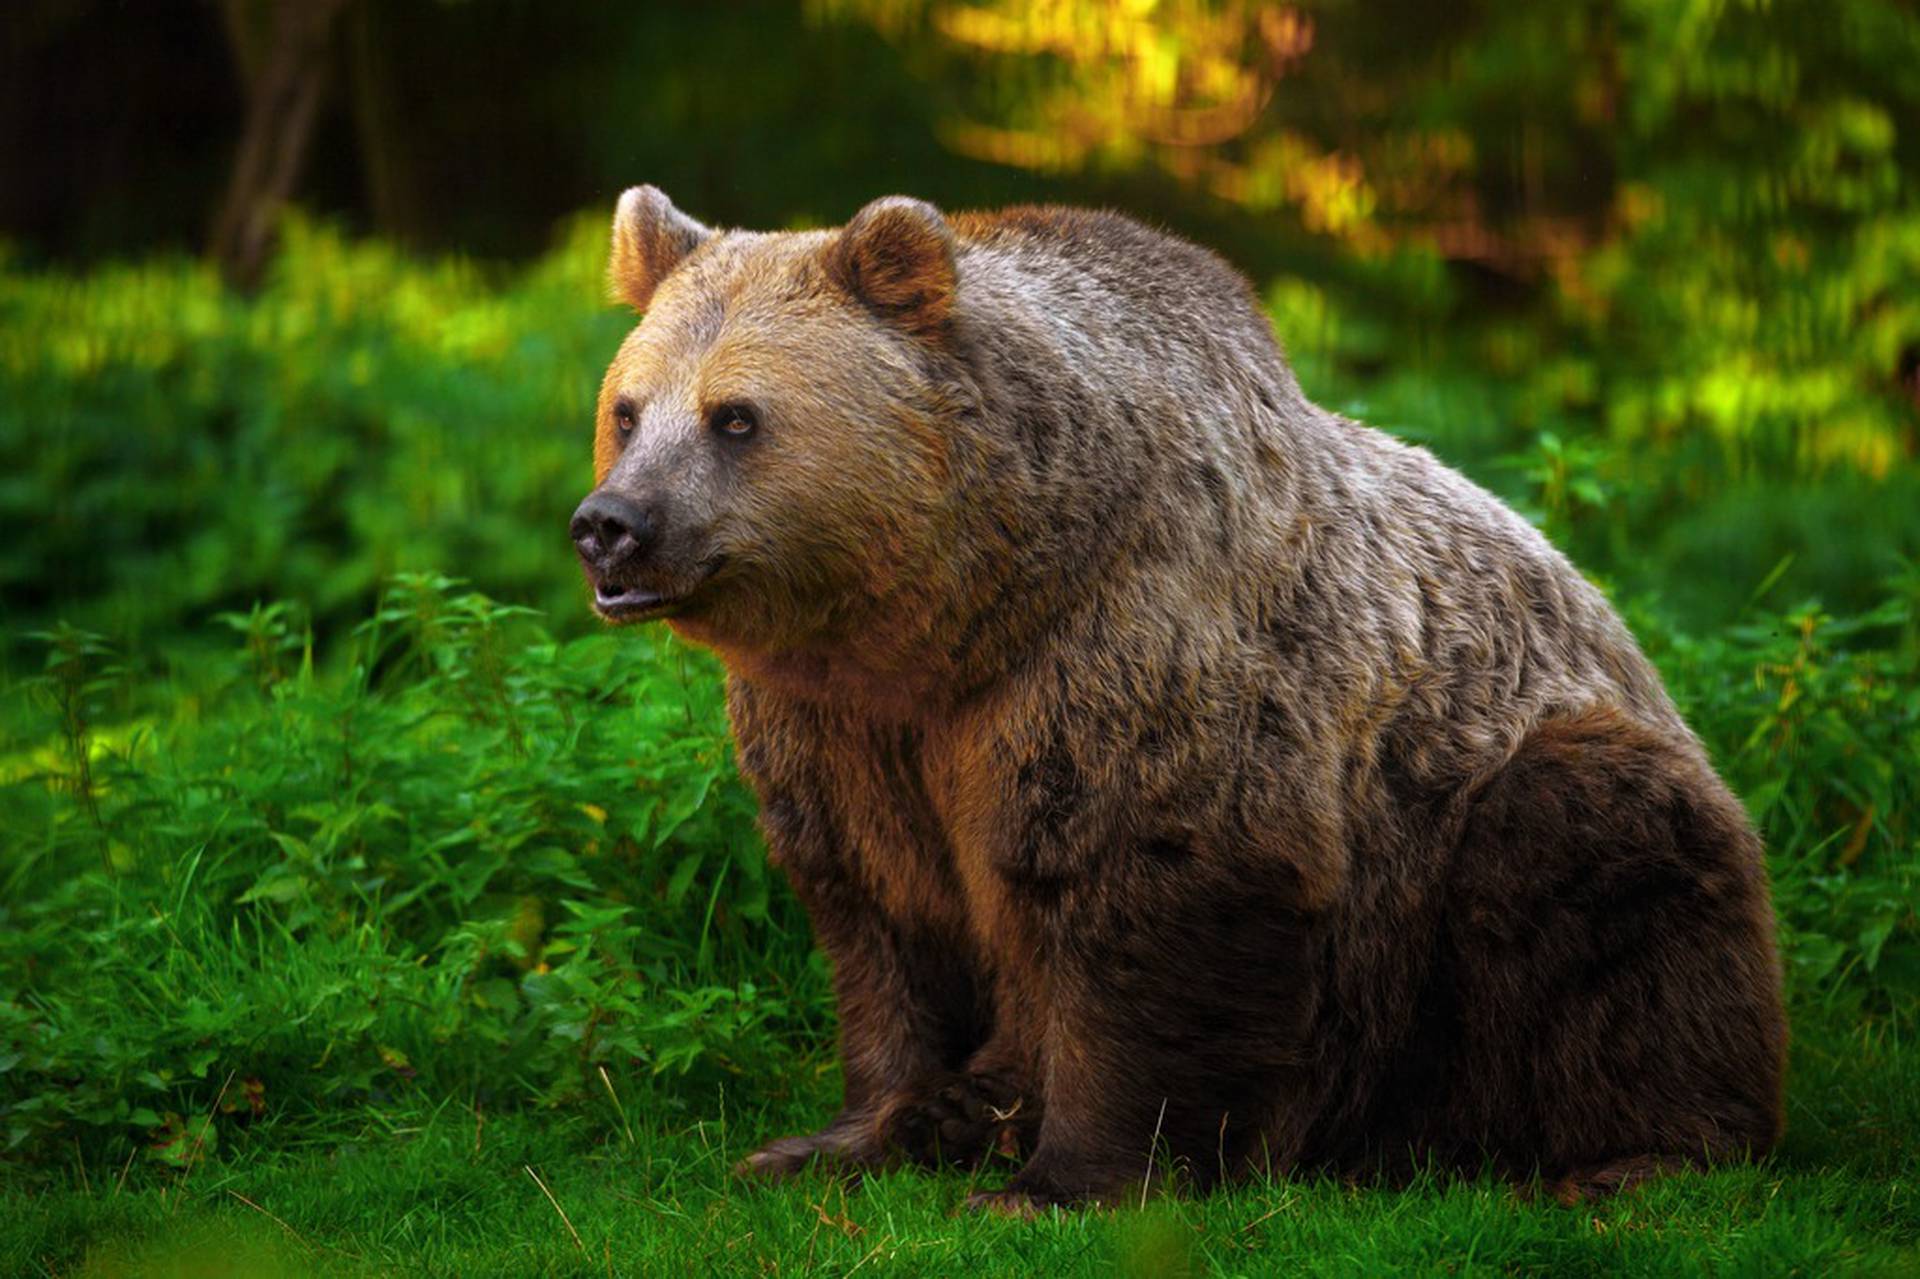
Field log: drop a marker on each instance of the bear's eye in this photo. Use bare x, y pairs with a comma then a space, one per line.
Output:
736, 420
624, 418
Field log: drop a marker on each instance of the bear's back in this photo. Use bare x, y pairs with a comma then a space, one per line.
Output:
1164, 431
1122, 288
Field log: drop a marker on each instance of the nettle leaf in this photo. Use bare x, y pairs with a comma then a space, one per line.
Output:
592, 918
184, 1142
280, 883
496, 993
682, 878
1815, 956
553, 862
292, 845
681, 806
1762, 798
1873, 938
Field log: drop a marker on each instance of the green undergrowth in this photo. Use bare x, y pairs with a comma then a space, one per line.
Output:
478, 862
350, 940
169, 449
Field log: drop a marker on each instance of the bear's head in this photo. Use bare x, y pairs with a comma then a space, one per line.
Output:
770, 453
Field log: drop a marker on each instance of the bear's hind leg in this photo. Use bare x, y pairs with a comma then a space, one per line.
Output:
1612, 957
1178, 999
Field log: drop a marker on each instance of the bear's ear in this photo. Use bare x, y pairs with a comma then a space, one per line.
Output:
896, 256
650, 237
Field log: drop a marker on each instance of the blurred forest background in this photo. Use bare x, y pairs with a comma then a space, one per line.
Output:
313, 753
1666, 251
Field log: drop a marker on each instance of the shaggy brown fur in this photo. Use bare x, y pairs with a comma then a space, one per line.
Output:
1156, 752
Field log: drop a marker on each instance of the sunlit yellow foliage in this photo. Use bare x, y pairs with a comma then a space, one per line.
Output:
1715, 188
1116, 82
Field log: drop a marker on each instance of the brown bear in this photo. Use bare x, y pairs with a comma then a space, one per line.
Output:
1181, 778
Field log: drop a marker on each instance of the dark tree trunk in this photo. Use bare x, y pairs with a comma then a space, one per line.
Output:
282, 54
379, 126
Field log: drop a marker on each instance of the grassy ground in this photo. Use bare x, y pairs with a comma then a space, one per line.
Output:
447, 1191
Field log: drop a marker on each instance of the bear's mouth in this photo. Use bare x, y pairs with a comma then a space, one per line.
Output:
628, 603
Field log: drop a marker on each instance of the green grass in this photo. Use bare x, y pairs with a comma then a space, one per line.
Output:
436, 1188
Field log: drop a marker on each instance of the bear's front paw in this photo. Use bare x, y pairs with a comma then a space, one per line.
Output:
1050, 1183
964, 1119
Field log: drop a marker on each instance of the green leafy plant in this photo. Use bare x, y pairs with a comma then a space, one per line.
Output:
471, 844
1816, 719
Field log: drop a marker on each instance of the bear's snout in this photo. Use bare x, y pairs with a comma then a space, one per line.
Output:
612, 532
616, 538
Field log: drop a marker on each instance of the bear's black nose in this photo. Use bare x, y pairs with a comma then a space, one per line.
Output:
610, 531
